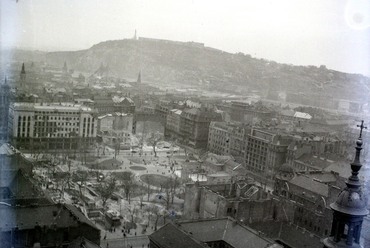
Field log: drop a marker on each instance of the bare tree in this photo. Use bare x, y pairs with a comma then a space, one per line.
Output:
153, 141
153, 210
80, 178
175, 183
127, 181
132, 210
106, 189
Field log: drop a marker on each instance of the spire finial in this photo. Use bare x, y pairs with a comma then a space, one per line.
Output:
361, 128
356, 165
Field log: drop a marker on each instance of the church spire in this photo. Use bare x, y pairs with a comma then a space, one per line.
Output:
23, 71
23, 74
350, 207
139, 78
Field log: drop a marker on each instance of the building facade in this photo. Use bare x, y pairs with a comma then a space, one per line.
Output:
194, 126
5, 97
266, 151
51, 126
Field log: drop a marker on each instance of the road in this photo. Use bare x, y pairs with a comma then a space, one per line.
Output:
134, 242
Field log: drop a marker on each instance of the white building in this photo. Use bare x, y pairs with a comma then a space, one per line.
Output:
51, 125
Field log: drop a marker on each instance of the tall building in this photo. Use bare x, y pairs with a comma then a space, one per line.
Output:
266, 151
4, 109
349, 209
194, 126
228, 138
172, 128
51, 125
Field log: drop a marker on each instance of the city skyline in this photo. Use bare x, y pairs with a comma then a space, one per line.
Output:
300, 33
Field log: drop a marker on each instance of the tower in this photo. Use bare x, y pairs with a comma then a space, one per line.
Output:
23, 75
139, 78
349, 209
65, 68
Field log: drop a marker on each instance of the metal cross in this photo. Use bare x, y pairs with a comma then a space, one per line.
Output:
361, 127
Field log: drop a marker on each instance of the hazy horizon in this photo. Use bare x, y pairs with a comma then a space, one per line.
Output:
332, 33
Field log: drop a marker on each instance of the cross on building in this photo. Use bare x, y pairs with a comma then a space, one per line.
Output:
361, 128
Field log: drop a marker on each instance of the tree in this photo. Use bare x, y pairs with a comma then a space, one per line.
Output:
170, 191
127, 180
80, 178
62, 179
132, 210
153, 210
153, 141
117, 147
106, 189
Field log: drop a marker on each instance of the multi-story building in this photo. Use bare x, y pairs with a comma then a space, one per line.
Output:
194, 126
228, 138
107, 104
311, 192
51, 125
116, 121
163, 108
219, 138
172, 128
266, 151
5, 96
248, 113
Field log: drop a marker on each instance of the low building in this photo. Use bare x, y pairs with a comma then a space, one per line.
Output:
49, 225
221, 232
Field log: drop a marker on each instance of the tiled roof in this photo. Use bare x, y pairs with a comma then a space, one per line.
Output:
309, 184
82, 242
170, 236
54, 215
225, 229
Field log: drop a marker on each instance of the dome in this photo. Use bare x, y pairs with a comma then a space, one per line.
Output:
351, 202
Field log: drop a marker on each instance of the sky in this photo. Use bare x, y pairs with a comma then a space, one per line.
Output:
335, 33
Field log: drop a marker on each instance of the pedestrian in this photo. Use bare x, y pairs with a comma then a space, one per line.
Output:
107, 244
135, 233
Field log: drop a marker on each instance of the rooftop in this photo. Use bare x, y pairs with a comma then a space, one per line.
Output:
227, 230
46, 215
66, 106
309, 184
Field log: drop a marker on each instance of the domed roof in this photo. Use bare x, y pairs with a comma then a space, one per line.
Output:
351, 201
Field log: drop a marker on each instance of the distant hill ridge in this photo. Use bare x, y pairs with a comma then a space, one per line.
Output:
193, 64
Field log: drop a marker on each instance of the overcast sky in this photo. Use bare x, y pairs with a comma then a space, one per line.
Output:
335, 33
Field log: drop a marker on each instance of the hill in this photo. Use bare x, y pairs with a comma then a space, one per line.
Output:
189, 64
